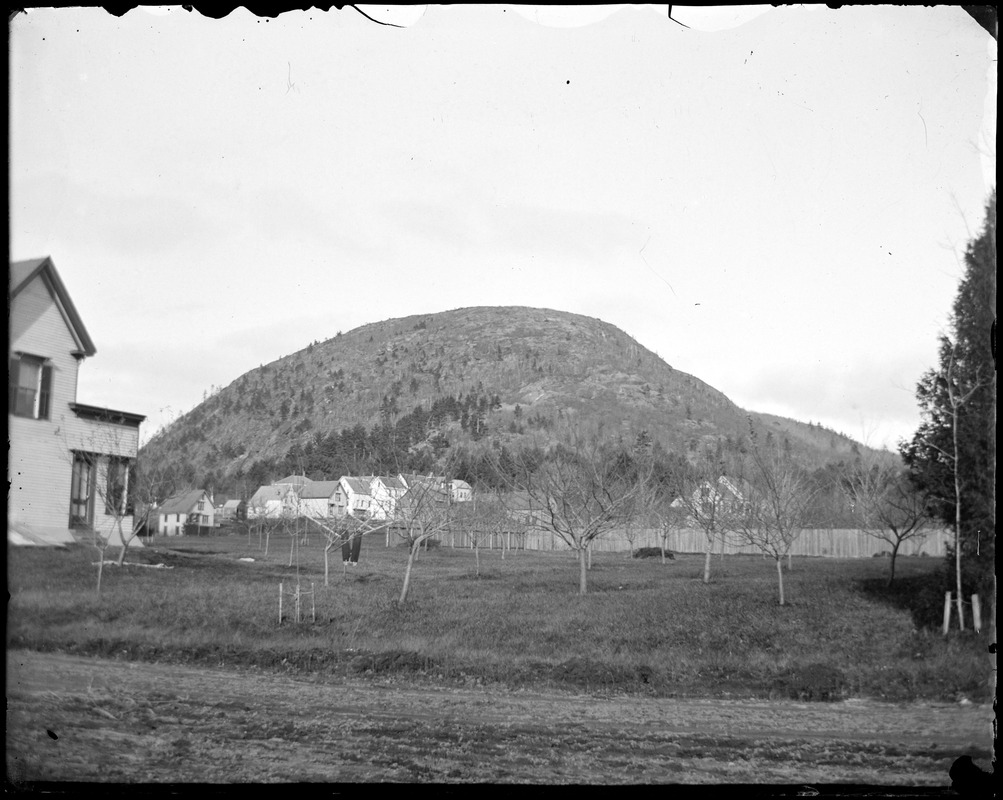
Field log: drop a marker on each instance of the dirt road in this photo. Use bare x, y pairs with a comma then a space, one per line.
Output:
84, 719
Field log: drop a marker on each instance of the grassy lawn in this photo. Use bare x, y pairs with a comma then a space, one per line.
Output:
645, 627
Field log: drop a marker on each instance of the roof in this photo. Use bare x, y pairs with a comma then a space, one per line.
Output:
293, 480
419, 492
99, 414
412, 479
266, 493
458, 484
181, 503
232, 504
23, 273
357, 485
391, 482
318, 490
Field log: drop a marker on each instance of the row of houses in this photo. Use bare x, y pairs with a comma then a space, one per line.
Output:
369, 497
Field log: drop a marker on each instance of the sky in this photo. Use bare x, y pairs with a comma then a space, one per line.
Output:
775, 200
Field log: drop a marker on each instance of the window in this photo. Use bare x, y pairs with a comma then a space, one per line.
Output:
116, 493
82, 490
30, 386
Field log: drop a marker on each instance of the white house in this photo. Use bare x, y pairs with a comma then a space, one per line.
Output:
316, 499
358, 500
191, 508
68, 464
460, 491
273, 502
232, 510
386, 492
709, 500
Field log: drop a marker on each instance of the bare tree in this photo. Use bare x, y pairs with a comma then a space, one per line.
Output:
424, 511
341, 530
958, 394
585, 487
776, 506
663, 512
630, 533
887, 506
483, 519
710, 501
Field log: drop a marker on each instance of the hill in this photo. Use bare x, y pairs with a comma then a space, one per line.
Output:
465, 378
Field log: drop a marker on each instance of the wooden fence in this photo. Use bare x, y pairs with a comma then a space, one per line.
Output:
821, 542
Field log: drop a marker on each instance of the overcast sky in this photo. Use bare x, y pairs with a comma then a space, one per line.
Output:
776, 201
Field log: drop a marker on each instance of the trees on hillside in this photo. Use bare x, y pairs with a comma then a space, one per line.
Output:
952, 456
887, 506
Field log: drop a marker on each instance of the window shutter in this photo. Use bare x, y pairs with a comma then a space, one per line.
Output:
45, 390
13, 381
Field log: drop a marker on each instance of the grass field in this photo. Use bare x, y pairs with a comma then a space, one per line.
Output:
644, 628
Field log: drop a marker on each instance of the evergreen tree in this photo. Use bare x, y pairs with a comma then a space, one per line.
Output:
953, 454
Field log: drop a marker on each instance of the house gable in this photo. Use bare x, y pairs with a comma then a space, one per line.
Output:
36, 285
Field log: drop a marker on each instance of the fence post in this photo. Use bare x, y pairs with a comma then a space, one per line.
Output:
280, 603
947, 612
976, 613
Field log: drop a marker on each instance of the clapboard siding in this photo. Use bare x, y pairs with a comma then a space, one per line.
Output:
40, 459
40, 465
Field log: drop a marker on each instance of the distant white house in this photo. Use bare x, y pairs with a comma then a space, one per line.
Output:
710, 499
386, 492
273, 502
358, 499
316, 499
232, 510
191, 508
460, 491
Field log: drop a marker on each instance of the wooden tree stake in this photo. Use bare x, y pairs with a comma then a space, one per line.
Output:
947, 612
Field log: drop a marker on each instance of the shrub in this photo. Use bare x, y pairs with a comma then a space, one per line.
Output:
652, 552
813, 682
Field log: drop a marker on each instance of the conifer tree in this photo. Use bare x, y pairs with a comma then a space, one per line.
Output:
952, 456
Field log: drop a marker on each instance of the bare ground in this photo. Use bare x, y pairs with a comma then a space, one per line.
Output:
72, 718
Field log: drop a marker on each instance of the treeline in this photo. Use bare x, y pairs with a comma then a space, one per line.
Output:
412, 442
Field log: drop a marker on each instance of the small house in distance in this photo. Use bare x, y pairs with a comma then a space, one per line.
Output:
193, 509
273, 502
358, 500
386, 491
460, 491
317, 499
232, 511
